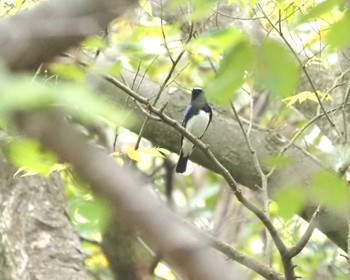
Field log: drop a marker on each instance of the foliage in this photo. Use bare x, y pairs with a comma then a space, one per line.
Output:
306, 95
231, 67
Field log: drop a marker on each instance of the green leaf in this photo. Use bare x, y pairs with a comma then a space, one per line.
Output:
277, 69
319, 10
222, 40
204, 194
30, 157
199, 9
330, 190
21, 93
278, 162
212, 45
290, 201
339, 33
115, 69
68, 71
90, 216
232, 72
94, 42
87, 104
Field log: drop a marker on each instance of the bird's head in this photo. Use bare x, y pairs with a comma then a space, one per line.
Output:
196, 92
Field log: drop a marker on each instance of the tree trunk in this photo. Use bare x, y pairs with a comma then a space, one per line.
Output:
228, 144
37, 240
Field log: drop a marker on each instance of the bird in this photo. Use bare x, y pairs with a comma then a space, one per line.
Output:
198, 116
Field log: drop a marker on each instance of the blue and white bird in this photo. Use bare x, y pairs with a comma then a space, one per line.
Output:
198, 116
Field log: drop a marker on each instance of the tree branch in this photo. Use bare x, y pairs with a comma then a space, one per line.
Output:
136, 205
264, 185
230, 148
37, 239
296, 249
34, 36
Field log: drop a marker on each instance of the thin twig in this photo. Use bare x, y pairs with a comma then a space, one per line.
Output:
344, 111
305, 126
296, 249
232, 253
221, 169
148, 115
266, 202
299, 132
251, 114
37, 72
163, 33
146, 71
335, 83
180, 72
136, 74
280, 32
165, 82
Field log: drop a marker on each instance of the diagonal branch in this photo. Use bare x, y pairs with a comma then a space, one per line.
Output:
262, 269
205, 149
136, 205
234, 155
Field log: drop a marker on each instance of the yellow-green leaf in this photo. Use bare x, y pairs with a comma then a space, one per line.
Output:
68, 71
133, 154
25, 172
306, 95
29, 155
57, 167
339, 33
146, 6
94, 42
153, 152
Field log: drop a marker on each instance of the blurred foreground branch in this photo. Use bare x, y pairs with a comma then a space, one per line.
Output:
34, 36
137, 207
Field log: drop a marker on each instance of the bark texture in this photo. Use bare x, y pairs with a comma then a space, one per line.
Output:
227, 143
126, 255
37, 240
33, 37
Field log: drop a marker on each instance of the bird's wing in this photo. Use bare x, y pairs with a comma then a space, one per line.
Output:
187, 115
208, 109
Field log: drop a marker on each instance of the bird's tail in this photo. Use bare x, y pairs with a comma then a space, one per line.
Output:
182, 163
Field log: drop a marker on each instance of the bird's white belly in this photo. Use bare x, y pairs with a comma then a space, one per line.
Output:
196, 125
